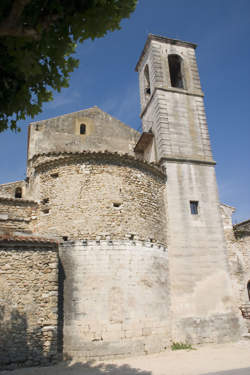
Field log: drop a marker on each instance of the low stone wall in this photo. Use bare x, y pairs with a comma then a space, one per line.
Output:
116, 298
28, 302
17, 214
8, 190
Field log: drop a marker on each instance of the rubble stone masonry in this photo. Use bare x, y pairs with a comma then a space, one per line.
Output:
28, 302
17, 214
101, 195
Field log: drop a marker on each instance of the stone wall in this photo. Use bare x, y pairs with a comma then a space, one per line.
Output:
238, 245
29, 297
94, 195
62, 134
17, 214
8, 190
202, 299
116, 298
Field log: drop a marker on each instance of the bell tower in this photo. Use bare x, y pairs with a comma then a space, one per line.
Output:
202, 302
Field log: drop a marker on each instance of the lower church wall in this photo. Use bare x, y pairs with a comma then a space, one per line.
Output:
116, 298
28, 308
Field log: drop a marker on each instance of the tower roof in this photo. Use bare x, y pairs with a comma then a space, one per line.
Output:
162, 39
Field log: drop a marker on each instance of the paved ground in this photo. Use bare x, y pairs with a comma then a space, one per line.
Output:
224, 359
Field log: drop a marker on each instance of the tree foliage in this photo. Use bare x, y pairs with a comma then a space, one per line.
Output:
37, 40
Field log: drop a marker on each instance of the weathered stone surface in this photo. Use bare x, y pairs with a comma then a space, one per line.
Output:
17, 214
101, 195
28, 315
116, 298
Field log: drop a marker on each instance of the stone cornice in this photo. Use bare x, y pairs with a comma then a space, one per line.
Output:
162, 39
110, 242
180, 159
103, 157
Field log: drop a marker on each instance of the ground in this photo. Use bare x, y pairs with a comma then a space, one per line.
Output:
223, 359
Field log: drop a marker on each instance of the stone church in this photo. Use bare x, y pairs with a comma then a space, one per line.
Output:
116, 243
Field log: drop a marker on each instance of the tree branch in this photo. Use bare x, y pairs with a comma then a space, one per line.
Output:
13, 26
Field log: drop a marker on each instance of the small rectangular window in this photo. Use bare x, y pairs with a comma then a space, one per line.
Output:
54, 175
82, 129
194, 207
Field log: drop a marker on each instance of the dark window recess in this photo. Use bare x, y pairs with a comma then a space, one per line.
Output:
65, 238
54, 175
175, 70
45, 200
147, 81
194, 207
82, 129
116, 204
18, 192
248, 289
46, 211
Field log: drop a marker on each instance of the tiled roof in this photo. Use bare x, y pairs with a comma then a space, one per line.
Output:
8, 237
17, 200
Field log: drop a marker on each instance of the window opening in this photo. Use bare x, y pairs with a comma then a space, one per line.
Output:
194, 207
65, 238
115, 204
18, 192
45, 200
82, 129
54, 175
175, 70
248, 289
45, 211
147, 81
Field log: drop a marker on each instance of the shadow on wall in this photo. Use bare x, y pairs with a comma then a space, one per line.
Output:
21, 346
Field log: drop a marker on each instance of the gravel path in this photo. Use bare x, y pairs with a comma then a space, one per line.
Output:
223, 359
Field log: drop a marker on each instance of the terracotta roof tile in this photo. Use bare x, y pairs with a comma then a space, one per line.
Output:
31, 239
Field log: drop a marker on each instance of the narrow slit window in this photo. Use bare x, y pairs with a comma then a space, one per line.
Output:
82, 129
147, 81
248, 289
18, 192
175, 70
194, 207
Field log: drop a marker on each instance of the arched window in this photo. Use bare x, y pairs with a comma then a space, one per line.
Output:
18, 192
175, 69
82, 129
146, 81
248, 289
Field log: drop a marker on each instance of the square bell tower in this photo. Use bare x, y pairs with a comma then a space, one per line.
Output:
172, 113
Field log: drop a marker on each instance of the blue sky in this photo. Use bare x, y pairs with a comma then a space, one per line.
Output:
106, 78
